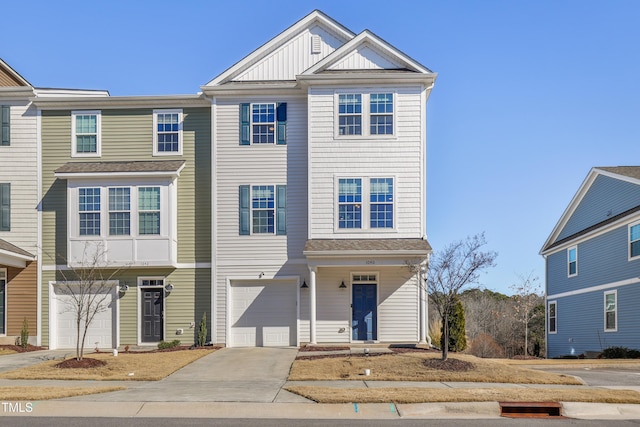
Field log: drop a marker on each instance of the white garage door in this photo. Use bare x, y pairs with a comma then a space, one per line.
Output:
263, 314
102, 329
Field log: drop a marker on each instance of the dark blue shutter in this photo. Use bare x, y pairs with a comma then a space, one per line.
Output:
6, 126
281, 209
281, 117
245, 134
245, 210
5, 207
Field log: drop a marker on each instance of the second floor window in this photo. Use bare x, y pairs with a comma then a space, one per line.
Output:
149, 210
365, 114
360, 199
381, 110
350, 114
263, 123
85, 133
167, 133
119, 211
350, 203
263, 209
572, 257
89, 209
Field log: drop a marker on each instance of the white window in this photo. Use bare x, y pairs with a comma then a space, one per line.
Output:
365, 114
149, 210
119, 211
167, 132
85, 133
572, 261
89, 211
365, 203
634, 241
553, 317
611, 311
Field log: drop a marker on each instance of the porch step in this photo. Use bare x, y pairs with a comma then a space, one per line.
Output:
531, 409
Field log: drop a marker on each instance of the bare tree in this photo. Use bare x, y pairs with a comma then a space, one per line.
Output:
88, 284
451, 270
526, 297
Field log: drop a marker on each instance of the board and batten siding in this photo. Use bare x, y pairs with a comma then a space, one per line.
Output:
20, 167
293, 57
399, 156
605, 198
602, 259
580, 322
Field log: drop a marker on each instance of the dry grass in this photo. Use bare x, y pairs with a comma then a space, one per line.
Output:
421, 395
144, 367
4, 351
45, 393
410, 367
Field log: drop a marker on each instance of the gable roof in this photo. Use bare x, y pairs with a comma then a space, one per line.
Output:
314, 18
147, 167
629, 174
10, 77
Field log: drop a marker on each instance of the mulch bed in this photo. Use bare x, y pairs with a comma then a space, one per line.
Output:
166, 350
413, 350
326, 356
316, 348
452, 365
86, 362
19, 349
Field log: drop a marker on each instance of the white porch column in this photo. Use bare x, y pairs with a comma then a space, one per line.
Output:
312, 306
422, 284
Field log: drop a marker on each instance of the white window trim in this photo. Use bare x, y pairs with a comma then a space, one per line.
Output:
569, 261
275, 209
555, 331
109, 211
5, 277
615, 311
275, 124
74, 143
366, 205
631, 258
155, 132
366, 115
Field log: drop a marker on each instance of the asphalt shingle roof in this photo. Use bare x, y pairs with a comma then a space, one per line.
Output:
367, 245
8, 247
135, 166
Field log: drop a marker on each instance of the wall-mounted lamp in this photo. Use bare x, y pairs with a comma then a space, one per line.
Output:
342, 285
169, 287
124, 287
304, 284
261, 275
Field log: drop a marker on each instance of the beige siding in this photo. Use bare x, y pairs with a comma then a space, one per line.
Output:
22, 299
400, 156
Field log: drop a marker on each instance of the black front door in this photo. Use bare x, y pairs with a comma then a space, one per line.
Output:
152, 311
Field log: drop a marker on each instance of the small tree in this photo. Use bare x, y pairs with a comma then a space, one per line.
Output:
526, 297
457, 332
88, 284
452, 269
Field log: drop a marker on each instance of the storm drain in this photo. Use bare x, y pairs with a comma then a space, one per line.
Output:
531, 409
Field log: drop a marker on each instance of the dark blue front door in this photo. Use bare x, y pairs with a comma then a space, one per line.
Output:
363, 324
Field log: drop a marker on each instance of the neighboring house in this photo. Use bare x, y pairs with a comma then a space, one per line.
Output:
593, 266
319, 204
18, 202
128, 179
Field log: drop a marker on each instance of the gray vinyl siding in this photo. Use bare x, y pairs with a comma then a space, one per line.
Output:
580, 323
601, 260
606, 197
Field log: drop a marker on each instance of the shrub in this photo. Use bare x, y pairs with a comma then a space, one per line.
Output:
24, 333
485, 346
162, 345
620, 353
435, 331
457, 332
202, 330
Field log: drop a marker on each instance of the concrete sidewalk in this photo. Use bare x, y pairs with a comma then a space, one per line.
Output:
215, 387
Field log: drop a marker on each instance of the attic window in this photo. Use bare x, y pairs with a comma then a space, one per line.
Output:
315, 44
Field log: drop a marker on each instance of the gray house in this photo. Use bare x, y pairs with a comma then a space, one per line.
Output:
593, 266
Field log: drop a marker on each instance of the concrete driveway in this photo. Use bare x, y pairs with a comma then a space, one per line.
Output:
226, 375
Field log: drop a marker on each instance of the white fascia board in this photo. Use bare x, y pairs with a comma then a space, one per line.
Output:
13, 259
274, 43
59, 93
367, 37
17, 93
258, 87
373, 77
104, 103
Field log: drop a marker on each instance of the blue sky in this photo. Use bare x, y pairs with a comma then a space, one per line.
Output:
530, 94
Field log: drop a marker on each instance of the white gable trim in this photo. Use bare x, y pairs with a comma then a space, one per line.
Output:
313, 18
367, 37
575, 202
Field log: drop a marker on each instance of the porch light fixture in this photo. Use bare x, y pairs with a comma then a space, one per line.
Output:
342, 285
304, 284
124, 287
169, 287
